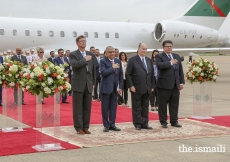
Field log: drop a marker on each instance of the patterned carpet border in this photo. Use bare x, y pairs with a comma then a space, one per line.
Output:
128, 134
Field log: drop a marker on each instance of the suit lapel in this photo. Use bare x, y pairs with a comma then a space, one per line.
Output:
140, 62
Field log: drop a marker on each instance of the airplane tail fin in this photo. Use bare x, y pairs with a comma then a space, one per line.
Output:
210, 13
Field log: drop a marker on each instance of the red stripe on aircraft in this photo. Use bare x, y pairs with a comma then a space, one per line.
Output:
216, 8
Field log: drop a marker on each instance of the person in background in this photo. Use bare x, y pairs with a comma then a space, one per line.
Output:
124, 97
29, 57
67, 52
98, 77
52, 57
154, 96
92, 49
116, 53
190, 59
60, 60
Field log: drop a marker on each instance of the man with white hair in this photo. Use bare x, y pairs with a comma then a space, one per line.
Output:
33, 54
29, 57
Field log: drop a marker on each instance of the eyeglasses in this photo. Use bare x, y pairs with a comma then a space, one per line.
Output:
168, 46
41, 52
82, 41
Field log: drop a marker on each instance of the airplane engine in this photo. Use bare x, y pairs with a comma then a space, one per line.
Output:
182, 32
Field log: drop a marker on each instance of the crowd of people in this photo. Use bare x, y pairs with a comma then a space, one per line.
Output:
156, 80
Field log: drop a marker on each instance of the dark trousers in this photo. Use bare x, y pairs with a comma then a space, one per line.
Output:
64, 97
125, 92
168, 97
70, 92
16, 95
0, 94
140, 109
98, 80
81, 109
109, 108
154, 98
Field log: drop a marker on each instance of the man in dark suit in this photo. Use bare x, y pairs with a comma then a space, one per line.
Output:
84, 75
1, 61
140, 79
98, 76
170, 82
60, 60
19, 57
51, 59
111, 78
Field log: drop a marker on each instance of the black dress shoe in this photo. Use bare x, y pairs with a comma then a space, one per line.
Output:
176, 125
0, 104
65, 102
114, 128
147, 127
106, 129
138, 128
164, 126
23, 103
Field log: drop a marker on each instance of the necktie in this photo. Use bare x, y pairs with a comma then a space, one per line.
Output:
83, 55
143, 61
19, 58
170, 58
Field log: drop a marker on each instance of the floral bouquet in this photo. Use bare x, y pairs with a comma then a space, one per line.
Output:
201, 71
11, 73
45, 78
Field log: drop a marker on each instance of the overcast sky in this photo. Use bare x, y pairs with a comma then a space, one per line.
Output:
149, 11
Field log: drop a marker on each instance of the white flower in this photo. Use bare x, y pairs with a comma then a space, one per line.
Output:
50, 80
28, 87
65, 75
32, 75
51, 65
3, 77
193, 76
58, 77
209, 65
60, 88
13, 68
10, 75
47, 90
1, 67
25, 74
201, 64
214, 77
16, 75
43, 84
190, 74
12, 84
68, 86
0, 82
201, 74
47, 70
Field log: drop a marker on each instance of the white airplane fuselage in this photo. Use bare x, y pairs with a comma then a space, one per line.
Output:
129, 35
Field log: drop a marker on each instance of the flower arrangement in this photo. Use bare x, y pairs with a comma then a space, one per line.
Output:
201, 71
45, 78
11, 73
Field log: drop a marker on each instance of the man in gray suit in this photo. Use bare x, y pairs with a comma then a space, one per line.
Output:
22, 59
83, 79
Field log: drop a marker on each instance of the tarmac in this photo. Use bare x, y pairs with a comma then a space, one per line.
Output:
161, 151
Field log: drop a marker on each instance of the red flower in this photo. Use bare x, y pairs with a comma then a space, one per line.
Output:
28, 76
200, 78
204, 68
67, 79
193, 63
64, 86
45, 66
217, 72
20, 75
9, 64
25, 90
8, 71
56, 90
54, 75
16, 84
31, 66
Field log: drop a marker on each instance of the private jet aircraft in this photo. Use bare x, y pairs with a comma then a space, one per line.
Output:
198, 27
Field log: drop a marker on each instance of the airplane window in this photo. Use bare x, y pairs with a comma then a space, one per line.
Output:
174, 35
200, 37
95, 35
2, 32
39, 33
193, 36
106, 35
86, 34
116, 35
15, 32
177, 35
27, 32
185, 36
62, 33
51, 33
74, 34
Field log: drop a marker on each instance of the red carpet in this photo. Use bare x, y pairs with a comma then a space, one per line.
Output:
29, 112
22, 142
218, 120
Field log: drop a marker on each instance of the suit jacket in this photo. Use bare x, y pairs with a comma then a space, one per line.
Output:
58, 61
81, 77
167, 74
23, 59
51, 60
1, 59
137, 76
109, 75
98, 68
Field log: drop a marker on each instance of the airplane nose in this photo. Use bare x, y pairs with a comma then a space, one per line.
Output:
223, 38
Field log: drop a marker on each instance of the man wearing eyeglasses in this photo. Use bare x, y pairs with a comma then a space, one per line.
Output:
83, 65
19, 57
170, 82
